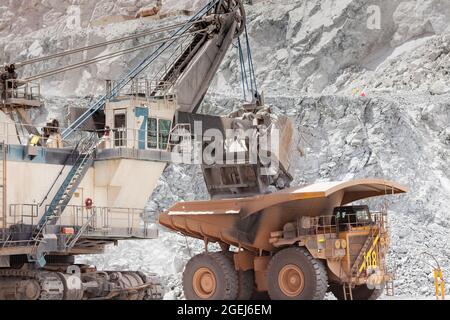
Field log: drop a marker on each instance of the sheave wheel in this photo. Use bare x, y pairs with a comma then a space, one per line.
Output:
210, 276
293, 274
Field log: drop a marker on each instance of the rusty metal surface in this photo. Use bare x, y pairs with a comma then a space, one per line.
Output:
248, 222
349, 191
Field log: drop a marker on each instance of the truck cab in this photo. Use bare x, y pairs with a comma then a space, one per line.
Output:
350, 217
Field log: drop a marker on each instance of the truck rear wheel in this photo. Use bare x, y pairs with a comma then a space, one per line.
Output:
210, 276
246, 285
358, 293
293, 274
260, 296
246, 280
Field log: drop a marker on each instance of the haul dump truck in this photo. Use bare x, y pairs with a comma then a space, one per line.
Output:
294, 244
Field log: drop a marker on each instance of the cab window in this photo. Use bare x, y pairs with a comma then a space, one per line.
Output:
164, 131
152, 133
362, 215
158, 131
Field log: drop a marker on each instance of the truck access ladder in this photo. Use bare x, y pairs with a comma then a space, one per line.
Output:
65, 192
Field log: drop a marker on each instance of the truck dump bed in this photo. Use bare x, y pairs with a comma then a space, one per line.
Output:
248, 222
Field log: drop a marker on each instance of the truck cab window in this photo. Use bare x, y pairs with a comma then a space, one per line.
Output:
362, 216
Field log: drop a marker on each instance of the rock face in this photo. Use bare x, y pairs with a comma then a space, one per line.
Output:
171, 7
367, 83
316, 47
29, 29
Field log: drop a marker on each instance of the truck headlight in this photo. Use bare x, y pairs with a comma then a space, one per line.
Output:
337, 244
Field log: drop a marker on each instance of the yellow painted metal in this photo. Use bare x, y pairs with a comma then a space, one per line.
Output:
343, 244
439, 284
35, 140
337, 244
370, 258
346, 237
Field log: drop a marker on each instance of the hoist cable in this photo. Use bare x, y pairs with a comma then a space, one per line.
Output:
107, 56
243, 70
251, 66
104, 44
253, 88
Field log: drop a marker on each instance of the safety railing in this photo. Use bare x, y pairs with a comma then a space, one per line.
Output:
20, 134
101, 221
332, 224
22, 90
105, 221
22, 217
142, 88
23, 214
134, 139
380, 219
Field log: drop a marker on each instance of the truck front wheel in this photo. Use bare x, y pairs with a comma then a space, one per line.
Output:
210, 276
293, 274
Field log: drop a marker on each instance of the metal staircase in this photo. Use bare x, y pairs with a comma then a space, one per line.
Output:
367, 247
64, 194
70, 242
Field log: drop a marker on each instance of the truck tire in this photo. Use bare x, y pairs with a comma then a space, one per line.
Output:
246, 285
358, 293
210, 276
260, 296
293, 274
246, 280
